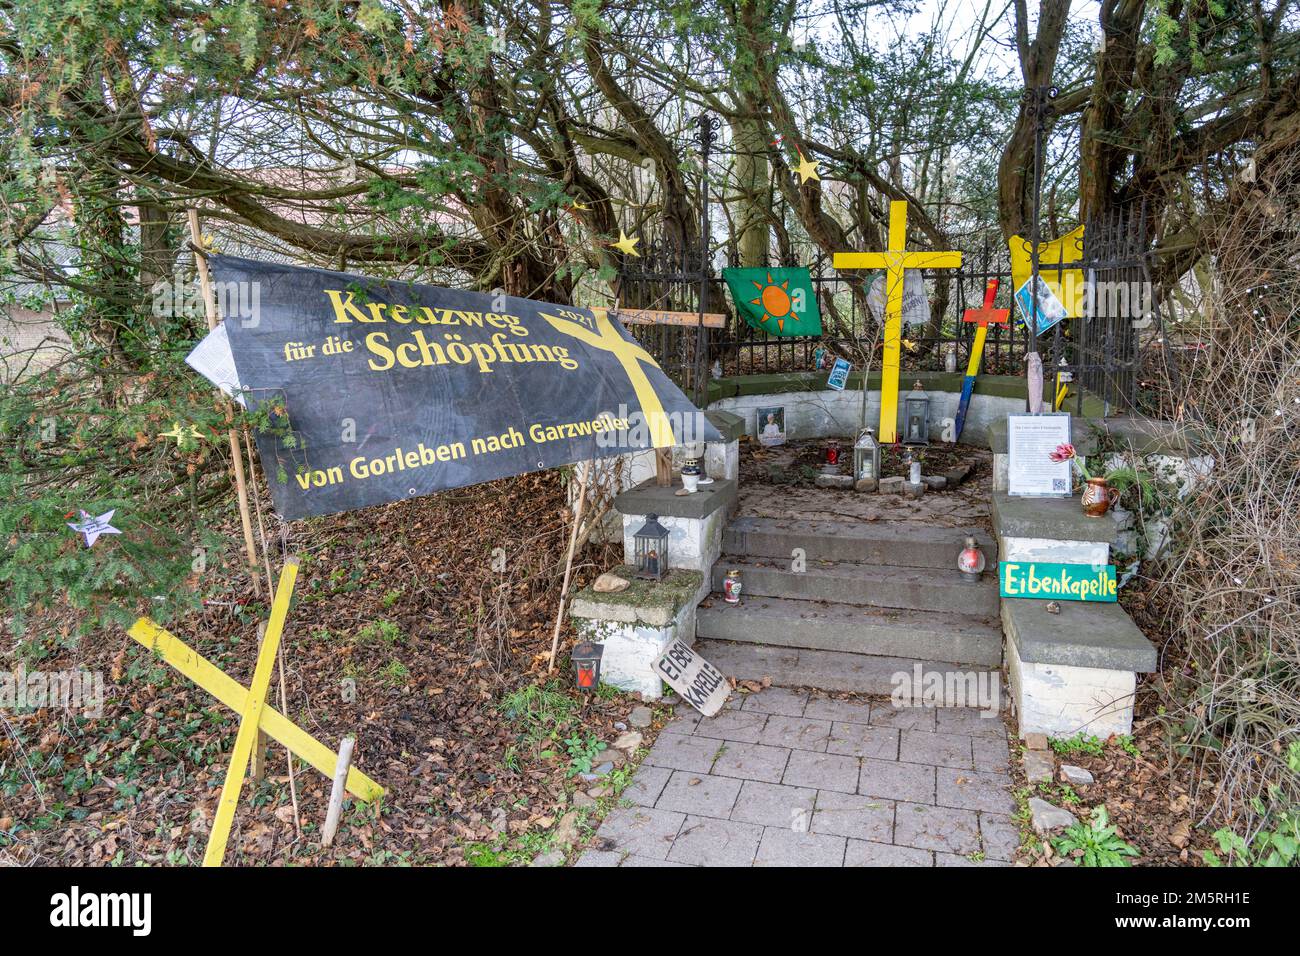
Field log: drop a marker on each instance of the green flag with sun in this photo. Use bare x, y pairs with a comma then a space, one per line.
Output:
776, 301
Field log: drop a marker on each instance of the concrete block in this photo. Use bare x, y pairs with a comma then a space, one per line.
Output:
1057, 518
1054, 549
650, 498
1062, 700
1084, 634
842, 482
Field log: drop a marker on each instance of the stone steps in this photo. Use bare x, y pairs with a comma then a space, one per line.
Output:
925, 635
851, 582
833, 670
895, 544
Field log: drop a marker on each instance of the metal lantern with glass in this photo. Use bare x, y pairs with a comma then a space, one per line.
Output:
650, 549
866, 456
916, 417
586, 665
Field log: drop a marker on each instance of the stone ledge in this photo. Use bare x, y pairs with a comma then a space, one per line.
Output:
775, 383
652, 603
1084, 634
1145, 437
650, 498
1061, 519
729, 425
1082, 431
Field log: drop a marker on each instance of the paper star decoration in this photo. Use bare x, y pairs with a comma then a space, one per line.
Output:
180, 435
93, 527
626, 244
807, 168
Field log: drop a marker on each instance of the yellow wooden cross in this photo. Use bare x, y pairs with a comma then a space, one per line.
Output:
895, 260
250, 704
630, 355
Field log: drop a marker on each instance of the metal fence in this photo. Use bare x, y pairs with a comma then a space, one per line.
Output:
1099, 351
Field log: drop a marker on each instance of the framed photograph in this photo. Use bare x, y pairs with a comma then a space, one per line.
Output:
1031, 439
770, 425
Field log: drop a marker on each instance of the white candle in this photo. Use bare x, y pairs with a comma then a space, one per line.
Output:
916, 472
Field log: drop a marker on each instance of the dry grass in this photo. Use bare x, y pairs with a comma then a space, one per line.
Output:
1232, 588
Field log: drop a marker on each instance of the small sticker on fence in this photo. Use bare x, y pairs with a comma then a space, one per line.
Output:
701, 684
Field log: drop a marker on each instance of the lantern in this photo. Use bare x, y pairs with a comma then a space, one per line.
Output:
866, 456
691, 474
832, 454
586, 665
970, 562
916, 417
650, 549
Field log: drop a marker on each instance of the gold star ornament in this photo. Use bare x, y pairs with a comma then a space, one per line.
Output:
181, 434
626, 244
807, 168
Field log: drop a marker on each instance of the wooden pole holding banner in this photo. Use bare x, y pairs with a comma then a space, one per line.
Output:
338, 791
236, 458
568, 562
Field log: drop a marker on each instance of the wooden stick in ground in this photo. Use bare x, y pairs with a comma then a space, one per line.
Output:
663, 467
257, 768
237, 460
338, 792
568, 562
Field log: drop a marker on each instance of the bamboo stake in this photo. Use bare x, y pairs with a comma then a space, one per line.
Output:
257, 767
568, 562
338, 791
279, 660
210, 312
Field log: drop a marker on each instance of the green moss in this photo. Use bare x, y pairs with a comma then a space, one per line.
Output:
677, 587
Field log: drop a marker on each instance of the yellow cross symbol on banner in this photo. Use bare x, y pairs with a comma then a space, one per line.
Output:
630, 356
250, 704
895, 260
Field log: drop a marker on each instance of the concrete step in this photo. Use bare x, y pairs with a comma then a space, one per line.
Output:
827, 626
848, 582
834, 670
895, 543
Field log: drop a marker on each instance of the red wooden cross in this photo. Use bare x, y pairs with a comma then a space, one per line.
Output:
984, 316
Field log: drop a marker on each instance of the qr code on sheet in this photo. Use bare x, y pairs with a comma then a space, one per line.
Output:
1060, 484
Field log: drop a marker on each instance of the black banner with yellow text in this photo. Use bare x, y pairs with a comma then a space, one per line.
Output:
391, 390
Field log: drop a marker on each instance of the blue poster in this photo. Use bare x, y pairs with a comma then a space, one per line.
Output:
839, 375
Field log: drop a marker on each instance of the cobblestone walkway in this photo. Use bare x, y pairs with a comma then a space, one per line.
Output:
781, 779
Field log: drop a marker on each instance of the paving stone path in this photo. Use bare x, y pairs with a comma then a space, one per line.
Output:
780, 778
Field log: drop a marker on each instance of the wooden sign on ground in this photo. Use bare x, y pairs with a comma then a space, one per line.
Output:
701, 684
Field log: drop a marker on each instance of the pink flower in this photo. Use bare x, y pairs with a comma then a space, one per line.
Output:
1063, 452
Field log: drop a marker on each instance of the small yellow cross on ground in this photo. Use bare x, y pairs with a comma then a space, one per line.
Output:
895, 260
251, 705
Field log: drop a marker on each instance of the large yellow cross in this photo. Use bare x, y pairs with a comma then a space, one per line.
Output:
630, 355
255, 714
895, 260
